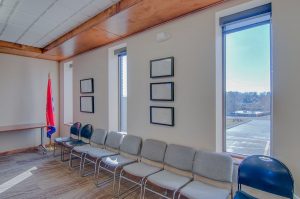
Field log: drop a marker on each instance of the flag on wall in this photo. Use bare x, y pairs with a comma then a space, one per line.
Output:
50, 110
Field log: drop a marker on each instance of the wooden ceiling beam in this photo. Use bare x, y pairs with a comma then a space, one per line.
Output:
125, 18
101, 17
21, 47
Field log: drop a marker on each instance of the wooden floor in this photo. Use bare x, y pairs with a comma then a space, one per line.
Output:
32, 175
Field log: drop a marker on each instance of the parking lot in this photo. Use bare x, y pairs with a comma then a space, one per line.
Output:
251, 137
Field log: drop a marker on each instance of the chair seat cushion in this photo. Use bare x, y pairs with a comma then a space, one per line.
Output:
116, 160
243, 195
140, 169
74, 143
100, 153
168, 180
83, 148
62, 139
196, 189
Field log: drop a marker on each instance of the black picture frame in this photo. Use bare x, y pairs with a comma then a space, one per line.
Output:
172, 113
169, 74
90, 89
90, 109
171, 98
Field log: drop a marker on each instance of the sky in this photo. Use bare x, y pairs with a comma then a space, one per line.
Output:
248, 60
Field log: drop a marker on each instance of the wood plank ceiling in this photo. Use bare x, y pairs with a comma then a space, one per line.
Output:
119, 21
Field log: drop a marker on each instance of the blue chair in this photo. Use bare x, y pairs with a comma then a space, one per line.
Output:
86, 132
74, 135
266, 174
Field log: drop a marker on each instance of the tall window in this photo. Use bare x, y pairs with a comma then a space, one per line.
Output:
68, 93
247, 81
123, 91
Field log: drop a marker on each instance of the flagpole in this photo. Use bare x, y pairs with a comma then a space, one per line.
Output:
50, 142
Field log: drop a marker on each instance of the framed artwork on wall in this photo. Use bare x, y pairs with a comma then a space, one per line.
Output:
162, 91
162, 67
87, 104
162, 115
87, 85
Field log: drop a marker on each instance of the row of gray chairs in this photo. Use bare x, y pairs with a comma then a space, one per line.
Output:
180, 170
111, 151
154, 166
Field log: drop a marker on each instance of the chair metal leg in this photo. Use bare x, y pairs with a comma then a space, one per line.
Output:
179, 196
141, 192
61, 153
95, 169
130, 190
84, 161
82, 164
120, 178
114, 181
70, 160
54, 147
174, 194
144, 189
98, 171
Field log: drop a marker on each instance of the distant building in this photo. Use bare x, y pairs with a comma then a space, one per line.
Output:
245, 113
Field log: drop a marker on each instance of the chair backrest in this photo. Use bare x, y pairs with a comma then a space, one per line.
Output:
87, 131
154, 150
75, 129
215, 166
99, 136
266, 174
114, 140
131, 144
180, 157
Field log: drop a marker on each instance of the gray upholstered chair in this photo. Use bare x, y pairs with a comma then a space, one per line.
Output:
177, 171
213, 177
97, 140
129, 152
152, 156
94, 155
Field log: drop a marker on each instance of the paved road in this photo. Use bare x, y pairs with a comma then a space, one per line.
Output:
249, 138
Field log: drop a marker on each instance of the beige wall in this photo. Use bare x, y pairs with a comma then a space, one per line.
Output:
192, 44
286, 135
23, 84
90, 65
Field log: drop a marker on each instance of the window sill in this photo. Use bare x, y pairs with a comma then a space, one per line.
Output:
237, 161
237, 158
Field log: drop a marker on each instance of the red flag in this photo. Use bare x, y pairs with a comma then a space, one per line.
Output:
50, 110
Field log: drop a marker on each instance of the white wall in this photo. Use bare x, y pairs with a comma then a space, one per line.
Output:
193, 50
192, 44
91, 65
286, 31
23, 86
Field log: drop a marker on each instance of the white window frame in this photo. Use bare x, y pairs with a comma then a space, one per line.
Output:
220, 135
